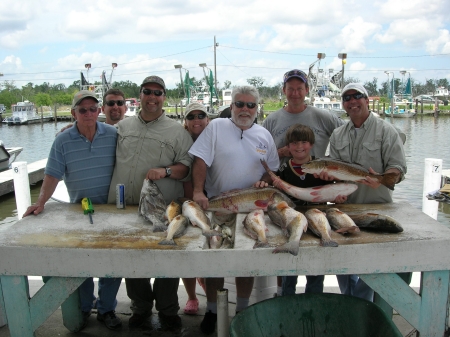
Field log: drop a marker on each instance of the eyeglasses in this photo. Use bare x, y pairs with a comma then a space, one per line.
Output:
156, 92
191, 117
297, 73
119, 102
92, 109
358, 95
240, 104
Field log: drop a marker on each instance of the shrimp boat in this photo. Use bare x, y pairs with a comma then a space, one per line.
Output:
403, 103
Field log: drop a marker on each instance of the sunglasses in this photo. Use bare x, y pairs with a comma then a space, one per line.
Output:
120, 102
156, 92
358, 95
191, 117
240, 104
92, 109
295, 72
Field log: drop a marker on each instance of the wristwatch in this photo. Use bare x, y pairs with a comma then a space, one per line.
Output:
168, 172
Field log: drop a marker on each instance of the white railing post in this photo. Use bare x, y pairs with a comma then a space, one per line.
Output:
223, 325
21, 187
431, 182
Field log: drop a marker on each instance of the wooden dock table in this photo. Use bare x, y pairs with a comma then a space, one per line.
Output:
60, 242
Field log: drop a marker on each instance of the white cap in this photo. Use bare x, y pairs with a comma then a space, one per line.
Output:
194, 107
355, 86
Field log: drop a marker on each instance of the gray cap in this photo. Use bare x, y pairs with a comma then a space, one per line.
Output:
194, 107
355, 86
154, 79
82, 94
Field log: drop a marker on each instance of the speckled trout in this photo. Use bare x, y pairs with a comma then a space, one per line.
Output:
293, 224
323, 193
341, 222
318, 224
347, 171
247, 200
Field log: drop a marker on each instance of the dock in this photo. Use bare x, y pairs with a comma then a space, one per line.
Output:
35, 174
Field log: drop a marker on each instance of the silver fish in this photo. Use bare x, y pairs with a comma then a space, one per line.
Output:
255, 227
198, 218
340, 221
177, 228
215, 242
247, 200
293, 224
324, 193
318, 224
377, 222
152, 205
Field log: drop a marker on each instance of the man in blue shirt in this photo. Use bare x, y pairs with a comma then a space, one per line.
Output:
84, 156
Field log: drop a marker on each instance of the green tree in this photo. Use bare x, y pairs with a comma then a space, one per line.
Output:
226, 85
42, 99
372, 87
256, 81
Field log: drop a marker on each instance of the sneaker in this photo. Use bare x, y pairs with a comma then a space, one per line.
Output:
110, 319
169, 322
137, 321
208, 325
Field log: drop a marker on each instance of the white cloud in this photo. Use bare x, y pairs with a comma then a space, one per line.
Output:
356, 36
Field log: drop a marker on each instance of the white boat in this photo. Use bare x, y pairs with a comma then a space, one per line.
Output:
8, 155
399, 112
25, 113
332, 105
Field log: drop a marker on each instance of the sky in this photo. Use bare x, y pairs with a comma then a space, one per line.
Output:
51, 41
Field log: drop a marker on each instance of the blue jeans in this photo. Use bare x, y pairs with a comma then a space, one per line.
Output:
352, 285
314, 284
107, 292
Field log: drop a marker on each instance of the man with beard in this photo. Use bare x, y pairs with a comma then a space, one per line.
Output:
227, 156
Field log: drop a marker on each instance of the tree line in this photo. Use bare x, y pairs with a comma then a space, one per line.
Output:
47, 94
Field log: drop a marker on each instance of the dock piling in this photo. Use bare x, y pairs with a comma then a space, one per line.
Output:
21, 187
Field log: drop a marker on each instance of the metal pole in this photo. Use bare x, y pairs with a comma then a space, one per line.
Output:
215, 69
223, 325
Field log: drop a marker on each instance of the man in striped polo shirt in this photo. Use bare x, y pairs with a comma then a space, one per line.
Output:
84, 155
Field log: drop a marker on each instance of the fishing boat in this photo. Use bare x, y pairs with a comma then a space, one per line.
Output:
403, 106
332, 105
401, 112
8, 155
25, 113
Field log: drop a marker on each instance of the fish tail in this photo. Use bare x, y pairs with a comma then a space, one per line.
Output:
211, 232
167, 242
289, 247
328, 243
159, 228
389, 180
261, 244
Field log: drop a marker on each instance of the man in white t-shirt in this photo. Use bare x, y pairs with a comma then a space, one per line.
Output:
227, 156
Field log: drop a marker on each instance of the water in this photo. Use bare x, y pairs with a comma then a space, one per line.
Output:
426, 138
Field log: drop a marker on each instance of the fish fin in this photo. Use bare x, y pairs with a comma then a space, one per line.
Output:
259, 244
328, 243
389, 180
291, 247
159, 228
166, 242
211, 232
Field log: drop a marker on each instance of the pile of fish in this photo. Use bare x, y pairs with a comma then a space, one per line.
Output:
319, 194
294, 223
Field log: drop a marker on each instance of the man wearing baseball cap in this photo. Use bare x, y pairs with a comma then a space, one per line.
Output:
84, 156
322, 122
375, 144
152, 146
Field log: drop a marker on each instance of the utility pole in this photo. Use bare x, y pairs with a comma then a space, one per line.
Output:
215, 69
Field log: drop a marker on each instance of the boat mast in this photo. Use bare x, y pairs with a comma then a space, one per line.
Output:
215, 69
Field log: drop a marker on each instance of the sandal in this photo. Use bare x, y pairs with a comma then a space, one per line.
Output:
191, 307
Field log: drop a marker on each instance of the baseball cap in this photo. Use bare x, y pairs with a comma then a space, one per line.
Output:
295, 73
195, 106
154, 79
82, 94
355, 86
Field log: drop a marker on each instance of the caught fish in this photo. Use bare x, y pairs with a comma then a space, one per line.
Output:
340, 221
318, 224
255, 227
347, 171
177, 228
247, 200
324, 193
215, 242
198, 218
377, 222
172, 211
152, 205
293, 224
